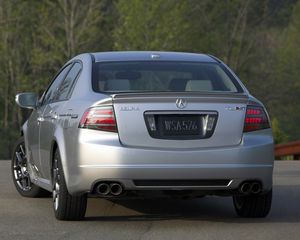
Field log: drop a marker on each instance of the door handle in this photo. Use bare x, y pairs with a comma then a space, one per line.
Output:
71, 114
74, 115
54, 116
40, 119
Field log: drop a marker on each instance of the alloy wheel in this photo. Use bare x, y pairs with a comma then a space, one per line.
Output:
56, 185
20, 170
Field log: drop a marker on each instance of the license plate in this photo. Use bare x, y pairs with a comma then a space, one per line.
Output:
181, 125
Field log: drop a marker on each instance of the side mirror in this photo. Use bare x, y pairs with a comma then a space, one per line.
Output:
27, 100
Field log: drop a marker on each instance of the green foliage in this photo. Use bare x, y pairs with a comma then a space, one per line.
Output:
278, 134
74, 27
36, 38
151, 25
286, 78
259, 39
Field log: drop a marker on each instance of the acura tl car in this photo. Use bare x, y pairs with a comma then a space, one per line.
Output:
127, 124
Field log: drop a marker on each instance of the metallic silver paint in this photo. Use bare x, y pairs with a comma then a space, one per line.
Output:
89, 155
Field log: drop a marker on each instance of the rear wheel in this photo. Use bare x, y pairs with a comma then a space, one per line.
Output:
66, 206
20, 173
255, 206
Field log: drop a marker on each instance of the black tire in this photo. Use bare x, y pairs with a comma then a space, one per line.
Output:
66, 206
253, 206
20, 173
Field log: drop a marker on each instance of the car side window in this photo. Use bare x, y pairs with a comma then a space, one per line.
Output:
53, 88
67, 84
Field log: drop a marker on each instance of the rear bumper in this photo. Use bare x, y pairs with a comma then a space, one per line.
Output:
103, 158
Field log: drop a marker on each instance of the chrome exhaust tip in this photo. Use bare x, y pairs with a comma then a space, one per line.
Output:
245, 188
103, 189
116, 189
255, 188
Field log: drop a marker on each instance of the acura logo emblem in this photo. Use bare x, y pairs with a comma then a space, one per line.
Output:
181, 103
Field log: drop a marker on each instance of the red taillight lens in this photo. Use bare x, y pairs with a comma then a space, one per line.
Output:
256, 119
99, 118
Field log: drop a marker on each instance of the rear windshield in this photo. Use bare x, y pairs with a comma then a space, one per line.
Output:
150, 76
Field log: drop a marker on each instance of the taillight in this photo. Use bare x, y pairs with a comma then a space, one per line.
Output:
256, 119
99, 118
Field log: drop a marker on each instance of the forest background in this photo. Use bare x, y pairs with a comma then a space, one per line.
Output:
258, 39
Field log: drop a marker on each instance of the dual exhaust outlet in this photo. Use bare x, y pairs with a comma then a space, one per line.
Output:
251, 188
105, 189
116, 189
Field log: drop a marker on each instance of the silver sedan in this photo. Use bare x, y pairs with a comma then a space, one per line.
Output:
140, 124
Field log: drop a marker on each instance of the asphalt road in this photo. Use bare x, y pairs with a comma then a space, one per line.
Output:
205, 218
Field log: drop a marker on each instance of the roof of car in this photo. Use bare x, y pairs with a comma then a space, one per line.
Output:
149, 55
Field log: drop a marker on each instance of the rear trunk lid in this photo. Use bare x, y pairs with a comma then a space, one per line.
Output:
180, 120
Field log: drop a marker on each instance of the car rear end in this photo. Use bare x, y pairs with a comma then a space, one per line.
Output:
174, 126
220, 162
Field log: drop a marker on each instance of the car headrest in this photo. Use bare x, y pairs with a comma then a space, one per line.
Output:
178, 84
199, 85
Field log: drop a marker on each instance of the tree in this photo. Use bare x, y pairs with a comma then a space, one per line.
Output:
151, 25
259, 39
286, 86
66, 28
36, 38
278, 134
15, 48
